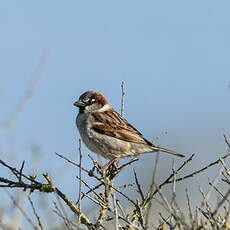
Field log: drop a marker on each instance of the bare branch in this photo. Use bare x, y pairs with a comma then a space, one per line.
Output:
80, 182
138, 186
122, 99
226, 141
115, 212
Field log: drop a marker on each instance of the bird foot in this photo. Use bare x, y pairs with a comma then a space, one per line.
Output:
112, 164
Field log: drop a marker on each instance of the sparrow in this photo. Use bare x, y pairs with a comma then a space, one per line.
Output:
106, 133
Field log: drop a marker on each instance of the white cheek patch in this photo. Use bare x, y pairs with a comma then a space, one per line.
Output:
104, 108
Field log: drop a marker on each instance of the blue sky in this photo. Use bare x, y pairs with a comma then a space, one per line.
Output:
172, 55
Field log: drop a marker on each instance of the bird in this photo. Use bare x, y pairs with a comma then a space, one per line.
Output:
106, 133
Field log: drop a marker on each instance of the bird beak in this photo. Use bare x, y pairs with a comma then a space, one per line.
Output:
79, 103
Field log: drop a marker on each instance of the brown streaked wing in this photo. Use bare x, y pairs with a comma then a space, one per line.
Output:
112, 124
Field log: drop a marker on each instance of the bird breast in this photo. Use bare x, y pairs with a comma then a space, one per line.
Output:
106, 146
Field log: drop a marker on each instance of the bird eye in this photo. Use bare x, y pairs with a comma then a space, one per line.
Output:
89, 101
86, 101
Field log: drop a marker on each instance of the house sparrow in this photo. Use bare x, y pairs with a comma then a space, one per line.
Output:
106, 133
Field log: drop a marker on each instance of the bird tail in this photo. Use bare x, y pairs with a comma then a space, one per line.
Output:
167, 151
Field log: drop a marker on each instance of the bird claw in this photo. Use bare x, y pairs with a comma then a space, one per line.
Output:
99, 167
111, 166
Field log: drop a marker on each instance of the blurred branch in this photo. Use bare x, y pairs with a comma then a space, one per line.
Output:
106, 192
62, 214
35, 213
159, 137
16, 204
111, 208
28, 93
